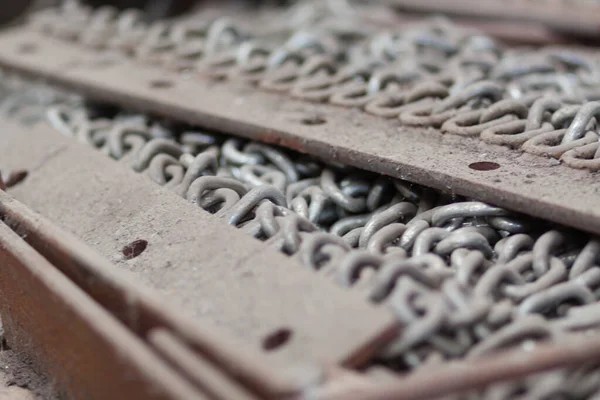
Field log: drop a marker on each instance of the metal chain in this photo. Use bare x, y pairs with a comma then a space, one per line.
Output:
464, 278
542, 101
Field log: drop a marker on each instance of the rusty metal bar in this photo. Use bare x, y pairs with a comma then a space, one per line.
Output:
114, 207
208, 377
524, 182
46, 316
564, 16
461, 376
142, 311
507, 32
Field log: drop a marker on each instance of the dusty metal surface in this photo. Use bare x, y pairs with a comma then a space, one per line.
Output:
502, 375
144, 312
48, 317
459, 305
407, 233
194, 267
524, 182
432, 74
476, 278
569, 16
211, 379
476, 374
510, 33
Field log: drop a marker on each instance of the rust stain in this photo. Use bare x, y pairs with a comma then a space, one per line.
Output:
277, 139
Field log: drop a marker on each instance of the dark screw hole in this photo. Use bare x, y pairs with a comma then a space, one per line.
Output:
161, 84
314, 120
277, 339
484, 166
27, 48
134, 249
15, 177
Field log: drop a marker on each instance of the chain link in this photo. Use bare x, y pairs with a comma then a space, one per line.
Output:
542, 101
465, 278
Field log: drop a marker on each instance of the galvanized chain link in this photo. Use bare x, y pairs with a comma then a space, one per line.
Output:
542, 101
464, 278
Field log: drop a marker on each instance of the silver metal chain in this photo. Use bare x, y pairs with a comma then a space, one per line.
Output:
541, 101
464, 278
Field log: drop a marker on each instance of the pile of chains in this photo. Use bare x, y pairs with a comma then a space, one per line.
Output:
432, 74
463, 277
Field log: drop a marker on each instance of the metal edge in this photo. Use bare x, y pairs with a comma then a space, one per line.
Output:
72, 337
571, 18
524, 183
137, 307
466, 375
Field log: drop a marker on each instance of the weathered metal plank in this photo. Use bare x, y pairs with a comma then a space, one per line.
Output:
566, 16
142, 310
524, 182
207, 268
58, 325
507, 32
468, 375
208, 377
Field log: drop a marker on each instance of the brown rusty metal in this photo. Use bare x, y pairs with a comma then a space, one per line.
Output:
211, 379
511, 33
461, 376
524, 182
568, 17
189, 260
141, 310
48, 317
